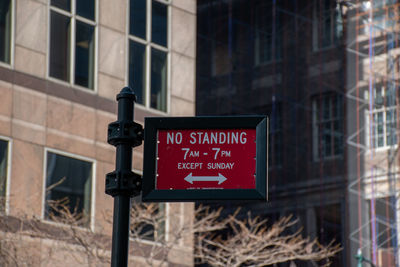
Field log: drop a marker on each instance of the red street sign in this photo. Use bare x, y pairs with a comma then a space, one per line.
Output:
206, 159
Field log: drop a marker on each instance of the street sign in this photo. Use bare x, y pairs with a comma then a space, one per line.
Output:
205, 158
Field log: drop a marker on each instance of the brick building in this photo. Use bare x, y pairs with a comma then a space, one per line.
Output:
326, 73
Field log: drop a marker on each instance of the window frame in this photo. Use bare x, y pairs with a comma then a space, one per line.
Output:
316, 105
382, 198
379, 95
278, 46
91, 225
8, 173
148, 46
316, 29
73, 19
370, 138
12, 39
165, 227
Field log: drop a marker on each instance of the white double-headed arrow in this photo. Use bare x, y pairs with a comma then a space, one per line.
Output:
220, 178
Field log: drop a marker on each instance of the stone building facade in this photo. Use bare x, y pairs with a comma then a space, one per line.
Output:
61, 65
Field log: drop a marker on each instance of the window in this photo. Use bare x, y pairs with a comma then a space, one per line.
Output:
385, 221
3, 173
148, 52
383, 228
275, 136
268, 39
327, 24
148, 221
72, 41
384, 119
5, 30
329, 226
68, 188
328, 122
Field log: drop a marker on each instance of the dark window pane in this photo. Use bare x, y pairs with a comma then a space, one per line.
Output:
274, 113
59, 46
328, 26
328, 126
85, 8
84, 55
268, 30
63, 4
329, 224
153, 229
137, 23
158, 80
137, 67
68, 178
144, 231
159, 24
385, 212
5, 30
3, 172
338, 145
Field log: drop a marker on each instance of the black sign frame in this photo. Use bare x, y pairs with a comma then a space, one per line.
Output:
153, 124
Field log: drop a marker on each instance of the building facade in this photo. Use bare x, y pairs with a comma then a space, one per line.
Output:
61, 65
326, 73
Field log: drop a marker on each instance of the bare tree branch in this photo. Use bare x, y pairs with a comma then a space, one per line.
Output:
251, 242
219, 240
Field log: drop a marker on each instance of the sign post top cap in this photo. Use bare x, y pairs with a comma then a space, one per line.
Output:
126, 92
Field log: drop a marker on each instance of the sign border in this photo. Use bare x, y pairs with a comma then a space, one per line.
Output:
153, 124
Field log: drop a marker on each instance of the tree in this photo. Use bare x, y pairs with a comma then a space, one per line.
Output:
252, 243
28, 241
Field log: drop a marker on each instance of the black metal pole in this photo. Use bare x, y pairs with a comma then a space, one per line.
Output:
122, 184
120, 238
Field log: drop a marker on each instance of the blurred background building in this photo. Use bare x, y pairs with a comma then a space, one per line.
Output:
326, 73
61, 65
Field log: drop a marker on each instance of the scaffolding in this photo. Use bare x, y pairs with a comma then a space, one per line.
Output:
374, 89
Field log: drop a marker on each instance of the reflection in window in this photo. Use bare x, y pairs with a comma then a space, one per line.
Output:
61, 61
327, 126
148, 53
62, 4
84, 54
5, 30
159, 24
59, 46
137, 69
137, 24
68, 185
158, 79
3, 173
85, 8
